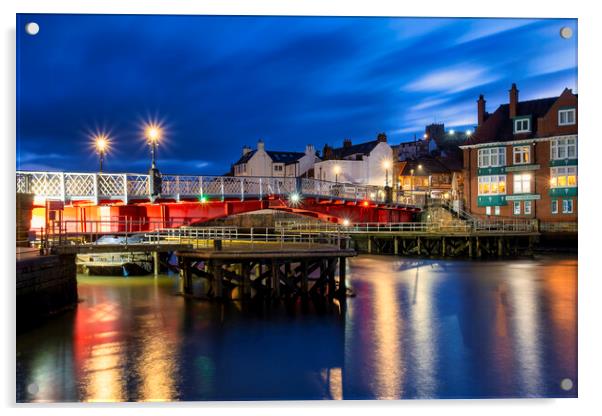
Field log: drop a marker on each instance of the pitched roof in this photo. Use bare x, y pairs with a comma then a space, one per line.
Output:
285, 157
277, 157
361, 148
429, 165
498, 126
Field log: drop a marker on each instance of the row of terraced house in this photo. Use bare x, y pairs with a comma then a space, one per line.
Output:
519, 162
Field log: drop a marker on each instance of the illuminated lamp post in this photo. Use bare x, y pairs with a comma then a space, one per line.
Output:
153, 134
101, 142
336, 170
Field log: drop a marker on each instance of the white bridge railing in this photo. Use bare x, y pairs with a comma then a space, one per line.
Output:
70, 186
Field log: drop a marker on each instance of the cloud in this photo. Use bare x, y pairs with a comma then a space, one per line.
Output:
482, 28
452, 80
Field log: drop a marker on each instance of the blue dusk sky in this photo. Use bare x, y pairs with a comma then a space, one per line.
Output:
220, 82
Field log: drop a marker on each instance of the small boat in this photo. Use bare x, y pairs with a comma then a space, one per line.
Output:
116, 264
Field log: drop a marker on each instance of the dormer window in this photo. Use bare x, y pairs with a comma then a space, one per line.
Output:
566, 117
522, 125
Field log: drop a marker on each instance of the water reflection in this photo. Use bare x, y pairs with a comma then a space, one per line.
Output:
417, 329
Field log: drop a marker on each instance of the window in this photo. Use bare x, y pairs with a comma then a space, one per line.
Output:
566, 117
554, 206
522, 183
528, 207
565, 148
487, 210
563, 177
496, 210
567, 206
522, 155
516, 207
492, 185
522, 125
277, 168
492, 156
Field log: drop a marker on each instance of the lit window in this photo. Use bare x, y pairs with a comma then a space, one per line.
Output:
492, 157
522, 125
527, 207
522, 155
567, 206
496, 210
516, 207
564, 148
566, 117
554, 206
487, 210
493, 184
522, 184
562, 177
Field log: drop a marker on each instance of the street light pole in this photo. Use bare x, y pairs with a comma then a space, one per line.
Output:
101, 142
153, 134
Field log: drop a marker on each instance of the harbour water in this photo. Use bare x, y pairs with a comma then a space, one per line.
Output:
416, 329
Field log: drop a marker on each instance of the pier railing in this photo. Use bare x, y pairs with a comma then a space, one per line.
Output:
97, 233
499, 226
95, 187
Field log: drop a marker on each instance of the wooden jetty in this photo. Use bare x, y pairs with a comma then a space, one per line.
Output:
271, 271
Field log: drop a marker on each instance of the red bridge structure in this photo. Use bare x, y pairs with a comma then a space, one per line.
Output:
141, 202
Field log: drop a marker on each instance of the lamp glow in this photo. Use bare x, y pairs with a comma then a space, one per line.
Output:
346, 222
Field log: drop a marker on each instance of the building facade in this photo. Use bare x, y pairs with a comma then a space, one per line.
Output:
368, 163
261, 162
521, 162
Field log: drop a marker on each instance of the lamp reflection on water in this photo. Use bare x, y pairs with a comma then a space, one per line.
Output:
423, 337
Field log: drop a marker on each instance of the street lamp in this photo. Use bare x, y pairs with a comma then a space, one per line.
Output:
386, 167
153, 133
337, 170
101, 141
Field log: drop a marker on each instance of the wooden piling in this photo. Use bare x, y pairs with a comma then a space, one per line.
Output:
218, 276
275, 279
156, 263
304, 278
342, 277
395, 246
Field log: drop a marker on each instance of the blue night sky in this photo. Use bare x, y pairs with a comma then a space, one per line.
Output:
220, 82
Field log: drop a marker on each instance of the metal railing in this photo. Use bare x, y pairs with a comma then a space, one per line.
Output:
96, 233
81, 186
501, 226
558, 227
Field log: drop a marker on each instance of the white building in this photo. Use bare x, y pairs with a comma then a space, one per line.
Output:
368, 163
261, 162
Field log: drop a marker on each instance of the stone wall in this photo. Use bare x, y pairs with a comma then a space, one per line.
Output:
46, 285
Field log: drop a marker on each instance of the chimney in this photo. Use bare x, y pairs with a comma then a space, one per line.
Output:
480, 110
382, 137
327, 152
347, 143
513, 100
260, 145
309, 150
245, 149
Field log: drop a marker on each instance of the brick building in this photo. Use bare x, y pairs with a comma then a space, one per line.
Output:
521, 162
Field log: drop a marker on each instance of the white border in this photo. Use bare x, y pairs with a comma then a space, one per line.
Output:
590, 94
